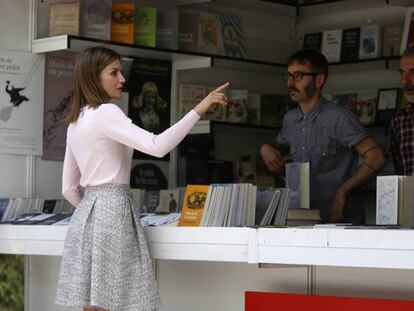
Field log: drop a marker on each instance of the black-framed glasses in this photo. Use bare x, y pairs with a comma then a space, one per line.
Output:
297, 75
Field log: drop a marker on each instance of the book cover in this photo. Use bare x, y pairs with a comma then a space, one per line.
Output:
369, 45
64, 18
297, 180
188, 31
253, 108
168, 202
408, 34
232, 35
331, 45
58, 99
95, 19
122, 23
350, 44
151, 200
145, 26
189, 95
167, 29
209, 34
366, 106
236, 106
193, 206
391, 39
150, 96
313, 41
388, 100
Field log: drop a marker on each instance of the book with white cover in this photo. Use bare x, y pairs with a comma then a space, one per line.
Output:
395, 200
368, 41
297, 180
331, 45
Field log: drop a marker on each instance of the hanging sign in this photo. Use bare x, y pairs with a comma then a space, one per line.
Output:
21, 102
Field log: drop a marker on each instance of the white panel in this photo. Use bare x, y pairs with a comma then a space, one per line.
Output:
206, 286
357, 282
13, 175
14, 24
42, 282
48, 179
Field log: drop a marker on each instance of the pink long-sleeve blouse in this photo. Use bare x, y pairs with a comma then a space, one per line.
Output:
99, 147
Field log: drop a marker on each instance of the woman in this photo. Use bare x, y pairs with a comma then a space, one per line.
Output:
105, 263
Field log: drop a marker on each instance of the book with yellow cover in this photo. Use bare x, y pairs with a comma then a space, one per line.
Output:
193, 205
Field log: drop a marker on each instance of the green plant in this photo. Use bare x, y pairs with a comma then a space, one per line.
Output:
11, 283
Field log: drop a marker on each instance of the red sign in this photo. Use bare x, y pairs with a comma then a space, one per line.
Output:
256, 301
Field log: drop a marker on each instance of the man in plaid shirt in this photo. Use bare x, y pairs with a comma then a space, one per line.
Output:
402, 124
327, 136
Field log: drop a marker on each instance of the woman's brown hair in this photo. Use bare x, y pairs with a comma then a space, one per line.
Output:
87, 90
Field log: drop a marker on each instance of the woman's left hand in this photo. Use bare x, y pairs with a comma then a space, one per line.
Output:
216, 96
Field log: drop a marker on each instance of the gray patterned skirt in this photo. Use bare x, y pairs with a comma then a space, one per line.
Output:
105, 260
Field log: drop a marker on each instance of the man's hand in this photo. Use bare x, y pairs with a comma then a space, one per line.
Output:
338, 206
272, 158
216, 96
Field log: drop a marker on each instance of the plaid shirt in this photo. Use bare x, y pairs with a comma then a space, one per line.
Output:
324, 137
402, 141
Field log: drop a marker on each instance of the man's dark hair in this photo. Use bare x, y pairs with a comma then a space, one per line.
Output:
409, 51
315, 59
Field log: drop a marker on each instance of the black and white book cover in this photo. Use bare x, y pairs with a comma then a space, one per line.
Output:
331, 45
312, 41
350, 44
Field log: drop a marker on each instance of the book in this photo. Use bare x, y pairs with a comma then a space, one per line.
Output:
145, 26
188, 31
312, 41
150, 96
297, 180
58, 95
232, 35
236, 106
189, 96
391, 39
369, 41
408, 34
350, 44
253, 108
168, 201
395, 200
193, 205
122, 24
366, 106
64, 17
331, 45
95, 19
167, 29
209, 35
151, 200
346, 101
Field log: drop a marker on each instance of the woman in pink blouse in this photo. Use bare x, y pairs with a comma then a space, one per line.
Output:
105, 263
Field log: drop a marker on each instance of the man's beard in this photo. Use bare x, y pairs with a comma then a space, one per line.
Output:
311, 89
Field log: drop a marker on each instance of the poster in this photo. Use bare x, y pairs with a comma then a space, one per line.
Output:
21, 102
58, 98
150, 96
